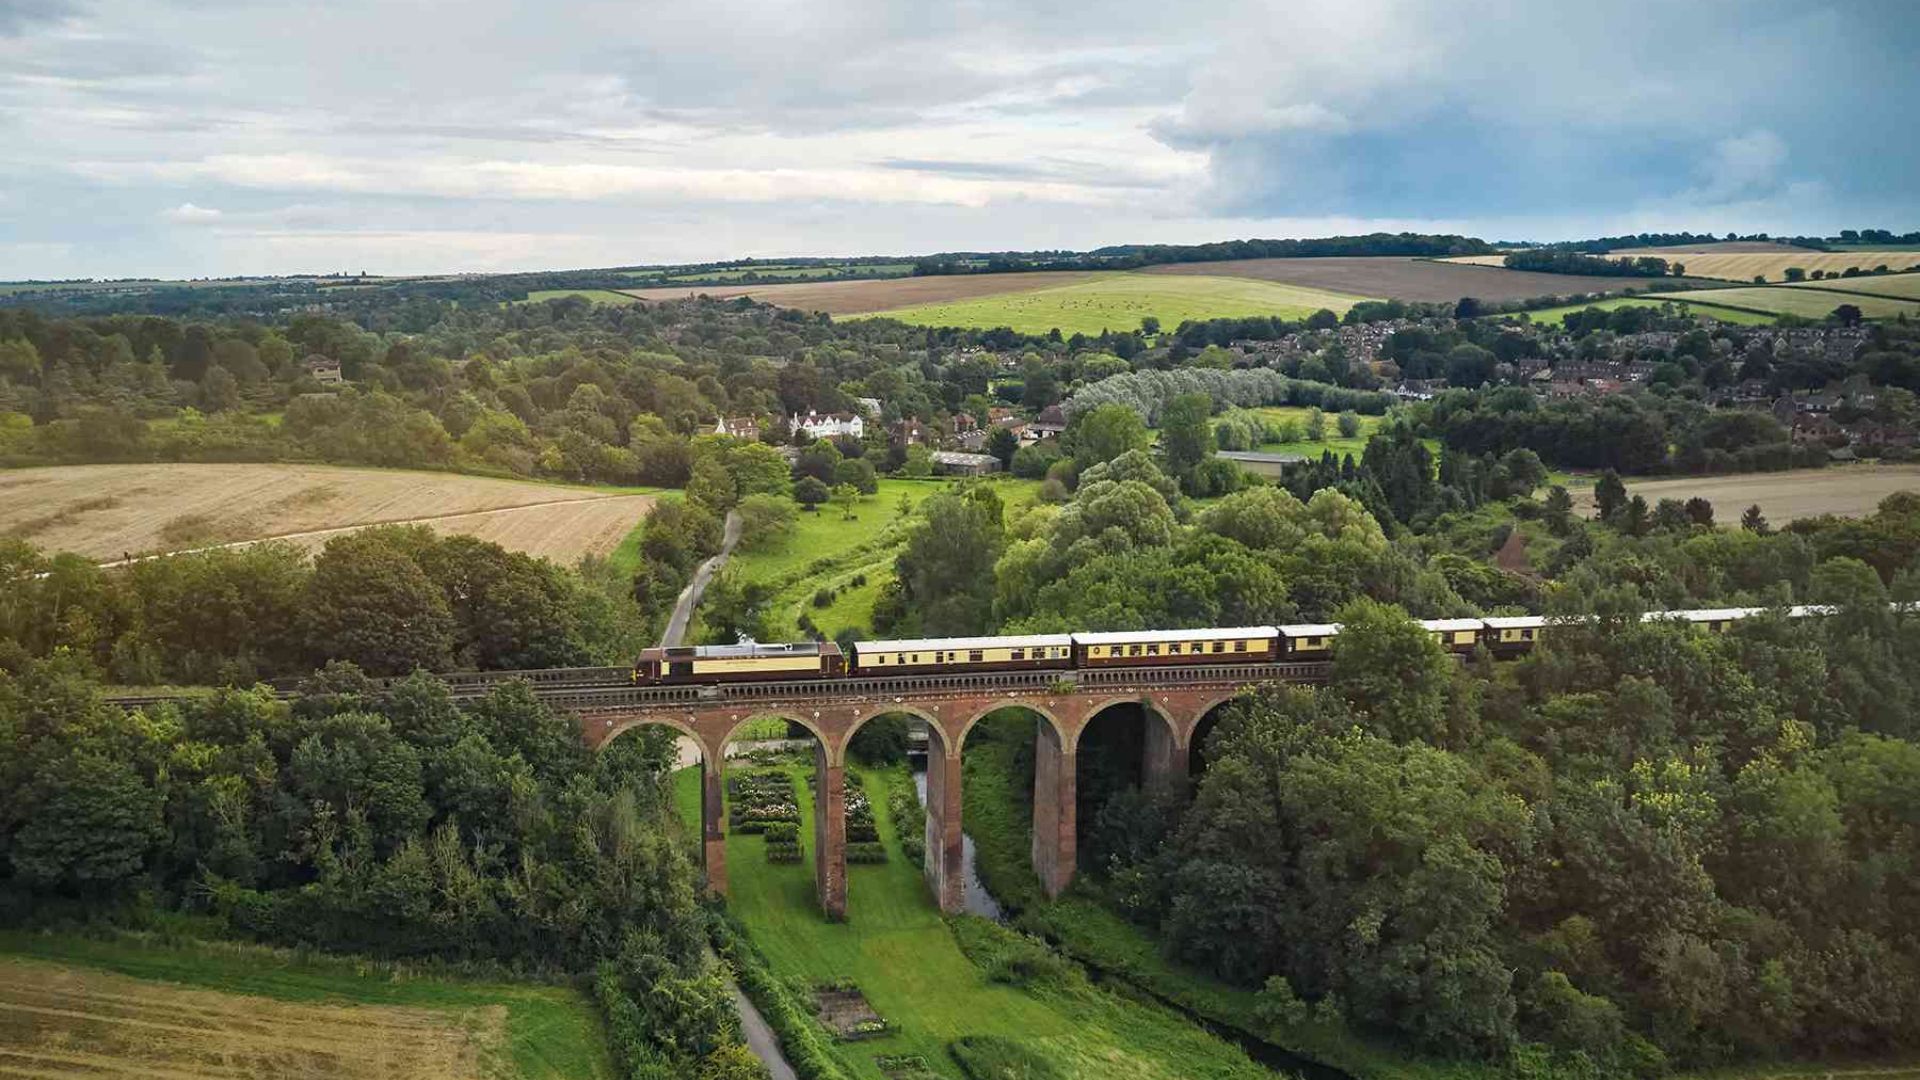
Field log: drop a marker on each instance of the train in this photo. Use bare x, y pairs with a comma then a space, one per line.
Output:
1504, 636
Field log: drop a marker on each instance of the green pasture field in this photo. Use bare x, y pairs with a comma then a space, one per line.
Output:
825, 550
907, 960
1726, 315
1896, 286
797, 273
598, 296
1118, 301
551, 1031
1275, 414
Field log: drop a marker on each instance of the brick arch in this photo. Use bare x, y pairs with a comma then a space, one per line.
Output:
681, 726
789, 715
1149, 705
1053, 720
933, 720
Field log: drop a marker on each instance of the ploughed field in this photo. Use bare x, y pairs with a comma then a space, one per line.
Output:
107, 511
1397, 278
860, 297
1848, 490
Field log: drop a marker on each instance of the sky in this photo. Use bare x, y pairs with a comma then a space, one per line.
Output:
218, 137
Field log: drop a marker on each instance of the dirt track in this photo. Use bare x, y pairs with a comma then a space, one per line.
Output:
1849, 490
66, 1022
883, 294
1406, 279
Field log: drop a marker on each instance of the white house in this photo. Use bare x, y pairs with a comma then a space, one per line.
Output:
827, 425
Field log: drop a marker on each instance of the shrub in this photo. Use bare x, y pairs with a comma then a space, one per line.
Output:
822, 597
783, 853
866, 852
1029, 963
991, 1057
781, 832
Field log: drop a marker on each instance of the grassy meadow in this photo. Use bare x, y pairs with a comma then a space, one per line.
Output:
1118, 301
1772, 265
598, 296
1726, 315
1305, 447
915, 970
827, 551
138, 1005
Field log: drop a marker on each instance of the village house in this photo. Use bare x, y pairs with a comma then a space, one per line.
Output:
324, 370
907, 432
1051, 422
827, 425
738, 427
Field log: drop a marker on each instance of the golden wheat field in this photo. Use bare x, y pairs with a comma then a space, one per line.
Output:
109, 511
1847, 490
59, 1022
1772, 265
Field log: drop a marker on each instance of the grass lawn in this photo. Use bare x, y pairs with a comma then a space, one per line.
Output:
907, 961
827, 551
598, 296
550, 1031
1276, 414
1118, 301
1726, 315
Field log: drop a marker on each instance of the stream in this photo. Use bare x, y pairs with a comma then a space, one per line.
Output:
974, 896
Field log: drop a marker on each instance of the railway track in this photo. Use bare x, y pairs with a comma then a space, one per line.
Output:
612, 687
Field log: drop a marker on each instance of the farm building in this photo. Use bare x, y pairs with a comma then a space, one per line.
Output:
1260, 463
325, 370
954, 463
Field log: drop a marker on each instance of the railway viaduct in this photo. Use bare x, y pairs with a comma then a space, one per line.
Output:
1174, 699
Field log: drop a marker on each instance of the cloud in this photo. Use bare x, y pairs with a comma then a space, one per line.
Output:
838, 126
189, 214
16, 16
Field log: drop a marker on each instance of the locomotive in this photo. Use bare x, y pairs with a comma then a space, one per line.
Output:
1505, 636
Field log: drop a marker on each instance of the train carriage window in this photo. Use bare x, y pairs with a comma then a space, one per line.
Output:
1173, 649
1153, 650
974, 656
1239, 646
1219, 646
1526, 635
1133, 650
1018, 654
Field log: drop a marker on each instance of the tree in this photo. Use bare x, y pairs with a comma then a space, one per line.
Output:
846, 497
1184, 436
919, 464
1103, 433
1149, 325
1349, 425
1700, 512
369, 603
1635, 518
1754, 521
765, 521
1392, 671
93, 821
946, 568
1846, 315
712, 485
1316, 425
818, 461
1609, 494
1003, 444
859, 473
809, 492
1557, 509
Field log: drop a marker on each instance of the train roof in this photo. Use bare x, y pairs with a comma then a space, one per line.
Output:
1310, 629
1704, 614
1515, 622
1022, 641
753, 648
1128, 637
1448, 626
